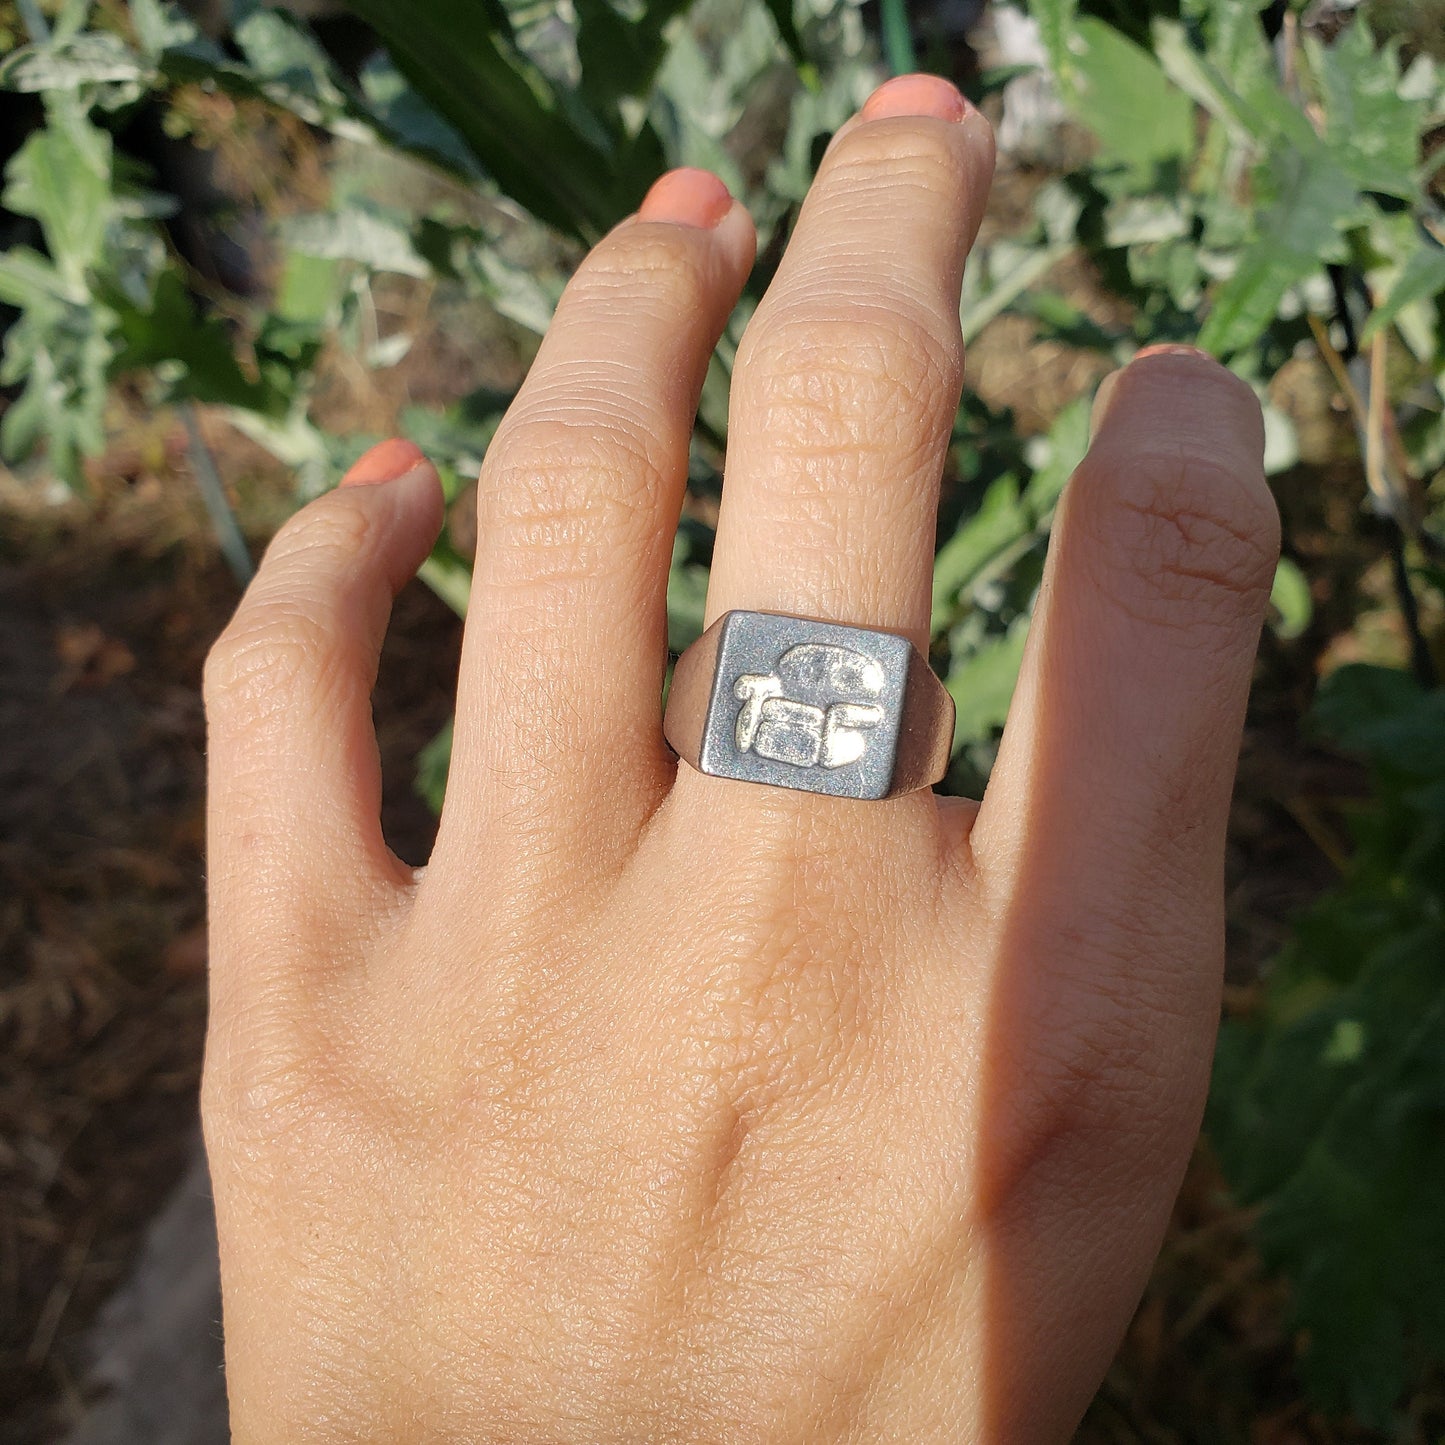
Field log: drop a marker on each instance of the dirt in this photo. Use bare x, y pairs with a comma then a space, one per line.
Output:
102, 941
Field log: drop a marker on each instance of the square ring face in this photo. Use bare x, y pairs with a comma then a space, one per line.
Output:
810, 705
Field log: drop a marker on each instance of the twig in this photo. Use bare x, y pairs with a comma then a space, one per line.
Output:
898, 37
33, 21
1392, 503
213, 494
1422, 661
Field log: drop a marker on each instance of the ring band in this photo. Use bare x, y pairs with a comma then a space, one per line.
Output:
765, 697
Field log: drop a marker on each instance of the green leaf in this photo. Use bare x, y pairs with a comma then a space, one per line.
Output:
999, 522
405, 118
354, 234
1055, 19
433, 764
1328, 1104
506, 112
196, 352
982, 685
93, 58
28, 280
309, 293
62, 177
1290, 598
1055, 456
161, 26
1421, 278
1121, 94
1371, 129
619, 55
1383, 714
782, 13
1298, 234
686, 594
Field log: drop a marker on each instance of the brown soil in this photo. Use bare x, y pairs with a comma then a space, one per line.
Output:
102, 940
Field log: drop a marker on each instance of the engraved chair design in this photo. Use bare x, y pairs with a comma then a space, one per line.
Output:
814, 709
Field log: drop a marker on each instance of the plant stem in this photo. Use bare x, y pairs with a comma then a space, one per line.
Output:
898, 47
33, 21
1422, 663
213, 493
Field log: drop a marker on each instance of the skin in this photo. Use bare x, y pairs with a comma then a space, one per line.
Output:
661, 1107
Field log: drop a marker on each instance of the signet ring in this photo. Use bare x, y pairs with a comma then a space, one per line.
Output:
765, 697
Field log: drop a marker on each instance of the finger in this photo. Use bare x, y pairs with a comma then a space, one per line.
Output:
848, 379
1124, 732
559, 716
1098, 850
295, 779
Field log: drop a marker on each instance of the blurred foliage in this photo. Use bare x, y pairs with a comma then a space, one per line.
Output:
1329, 1102
1255, 178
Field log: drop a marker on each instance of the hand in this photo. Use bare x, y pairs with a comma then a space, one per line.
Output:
661, 1107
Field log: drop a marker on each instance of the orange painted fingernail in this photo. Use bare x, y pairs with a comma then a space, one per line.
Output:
928, 95
385, 463
689, 197
1170, 348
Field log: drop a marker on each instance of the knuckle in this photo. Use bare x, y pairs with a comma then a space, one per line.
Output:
1181, 539
1116, 1085
641, 261
885, 372
332, 528
258, 1082
570, 495
272, 649
286, 628
872, 162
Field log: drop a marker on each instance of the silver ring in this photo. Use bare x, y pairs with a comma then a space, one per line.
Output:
765, 697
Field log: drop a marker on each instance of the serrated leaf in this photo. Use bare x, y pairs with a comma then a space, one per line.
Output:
1371, 130
1298, 234
1121, 94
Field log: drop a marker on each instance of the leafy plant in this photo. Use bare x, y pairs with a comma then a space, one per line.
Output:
1328, 1108
1270, 193
1302, 215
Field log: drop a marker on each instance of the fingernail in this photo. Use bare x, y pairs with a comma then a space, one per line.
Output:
385, 463
928, 95
1170, 348
689, 197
